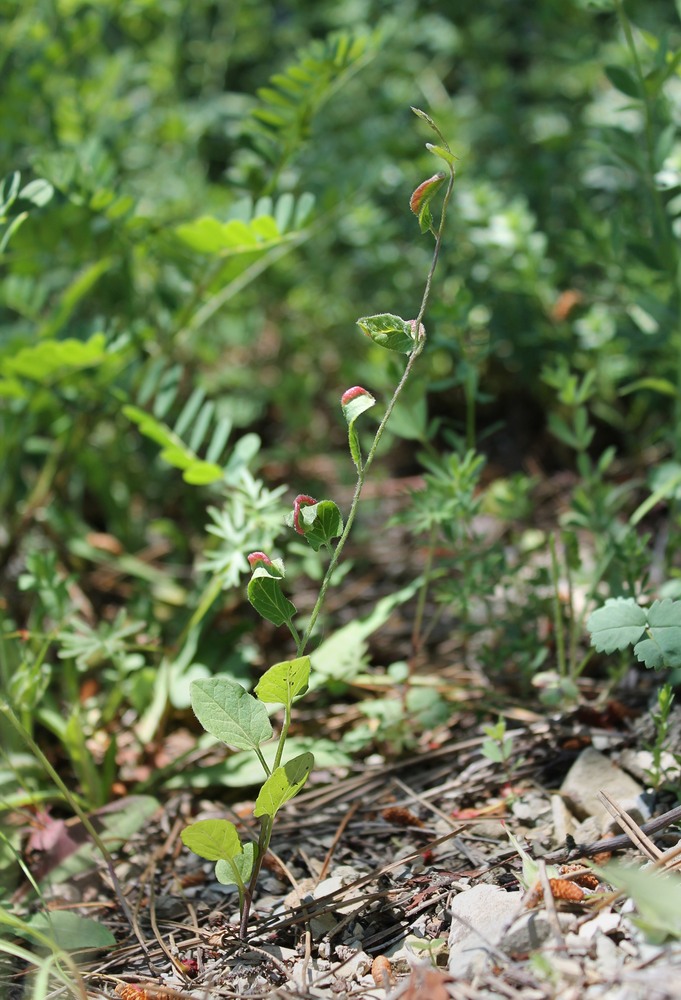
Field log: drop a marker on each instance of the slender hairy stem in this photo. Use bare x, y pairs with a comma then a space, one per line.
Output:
420, 343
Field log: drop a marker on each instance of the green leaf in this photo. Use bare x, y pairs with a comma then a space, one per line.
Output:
444, 154
237, 870
284, 682
657, 897
210, 236
54, 359
618, 624
71, 931
388, 331
662, 648
283, 784
623, 80
228, 712
420, 200
265, 594
173, 450
213, 839
321, 523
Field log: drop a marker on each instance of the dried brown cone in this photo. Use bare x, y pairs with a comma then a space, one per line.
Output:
585, 878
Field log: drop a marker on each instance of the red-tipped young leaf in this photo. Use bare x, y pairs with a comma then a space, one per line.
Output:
302, 500
266, 596
355, 401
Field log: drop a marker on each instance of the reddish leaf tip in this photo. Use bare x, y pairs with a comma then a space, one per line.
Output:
418, 195
353, 393
256, 559
302, 500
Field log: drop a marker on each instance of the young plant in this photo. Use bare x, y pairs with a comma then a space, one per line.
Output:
658, 772
654, 632
498, 748
224, 708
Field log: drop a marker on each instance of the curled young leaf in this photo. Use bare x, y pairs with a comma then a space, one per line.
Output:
266, 596
355, 401
302, 500
425, 191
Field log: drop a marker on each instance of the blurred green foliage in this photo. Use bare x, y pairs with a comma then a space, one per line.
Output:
201, 198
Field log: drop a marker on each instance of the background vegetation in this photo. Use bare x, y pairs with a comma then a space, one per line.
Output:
201, 198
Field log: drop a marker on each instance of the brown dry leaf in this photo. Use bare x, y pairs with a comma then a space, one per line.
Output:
427, 984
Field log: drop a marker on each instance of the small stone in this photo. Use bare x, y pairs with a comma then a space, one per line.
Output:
593, 772
480, 917
532, 929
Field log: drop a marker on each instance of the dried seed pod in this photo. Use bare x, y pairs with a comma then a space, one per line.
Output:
585, 878
399, 816
126, 991
381, 972
569, 891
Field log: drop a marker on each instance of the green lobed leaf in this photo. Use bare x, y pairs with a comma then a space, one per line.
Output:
662, 647
266, 596
283, 784
236, 870
213, 839
618, 624
321, 523
388, 331
227, 711
284, 681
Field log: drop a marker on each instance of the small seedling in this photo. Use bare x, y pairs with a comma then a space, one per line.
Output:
223, 707
657, 773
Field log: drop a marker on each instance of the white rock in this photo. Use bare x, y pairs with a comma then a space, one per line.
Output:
480, 917
593, 772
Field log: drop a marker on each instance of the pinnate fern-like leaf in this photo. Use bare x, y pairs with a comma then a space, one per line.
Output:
282, 120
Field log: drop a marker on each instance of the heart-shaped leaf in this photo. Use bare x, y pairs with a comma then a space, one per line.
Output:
213, 839
228, 712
